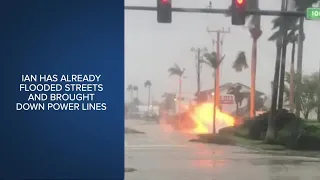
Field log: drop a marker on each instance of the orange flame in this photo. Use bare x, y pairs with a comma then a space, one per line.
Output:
202, 115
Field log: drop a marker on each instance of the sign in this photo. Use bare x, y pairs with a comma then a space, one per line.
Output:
313, 13
226, 99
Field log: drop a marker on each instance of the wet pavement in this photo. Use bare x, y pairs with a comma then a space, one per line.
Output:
164, 154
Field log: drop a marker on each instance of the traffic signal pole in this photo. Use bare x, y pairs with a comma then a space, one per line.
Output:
221, 11
217, 75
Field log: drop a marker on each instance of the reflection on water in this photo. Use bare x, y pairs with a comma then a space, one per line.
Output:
209, 163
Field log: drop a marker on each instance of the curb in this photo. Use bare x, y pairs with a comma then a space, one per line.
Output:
282, 152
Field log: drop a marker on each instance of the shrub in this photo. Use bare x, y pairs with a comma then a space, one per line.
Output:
214, 139
299, 136
257, 128
259, 124
227, 130
242, 132
247, 123
292, 132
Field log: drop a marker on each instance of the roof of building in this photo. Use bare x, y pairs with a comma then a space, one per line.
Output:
230, 85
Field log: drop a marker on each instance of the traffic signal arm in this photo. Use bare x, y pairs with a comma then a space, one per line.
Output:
221, 11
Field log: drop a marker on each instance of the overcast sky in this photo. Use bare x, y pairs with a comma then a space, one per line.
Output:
151, 48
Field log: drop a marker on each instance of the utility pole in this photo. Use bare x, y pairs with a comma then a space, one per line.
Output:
198, 58
217, 73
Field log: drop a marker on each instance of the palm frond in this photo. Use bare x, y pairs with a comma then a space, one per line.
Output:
130, 88
240, 62
147, 83
302, 5
177, 67
211, 60
275, 36
289, 23
236, 91
176, 70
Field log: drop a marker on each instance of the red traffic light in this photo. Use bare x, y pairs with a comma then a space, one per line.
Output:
240, 2
165, 1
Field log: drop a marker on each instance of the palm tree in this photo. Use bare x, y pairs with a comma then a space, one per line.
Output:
281, 42
292, 24
212, 60
148, 84
283, 35
239, 65
136, 89
130, 89
271, 131
238, 96
240, 62
301, 5
175, 70
256, 32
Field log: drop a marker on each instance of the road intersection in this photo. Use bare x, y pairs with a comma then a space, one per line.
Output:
162, 153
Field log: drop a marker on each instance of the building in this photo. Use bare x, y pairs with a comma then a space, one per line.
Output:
170, 102
230, 93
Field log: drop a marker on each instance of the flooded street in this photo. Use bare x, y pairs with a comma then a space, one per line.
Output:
164, 154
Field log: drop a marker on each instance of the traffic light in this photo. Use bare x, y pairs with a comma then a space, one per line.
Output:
164, 11
238, 12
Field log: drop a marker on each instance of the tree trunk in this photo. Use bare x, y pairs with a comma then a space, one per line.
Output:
253, 78
237, 109
306, 115
283, 30
137, 94
255, 34
299, 67
318, 108
148, 99
271, 131
283, 70
198, 73
215, 104
292, 74
131, 105
179, 100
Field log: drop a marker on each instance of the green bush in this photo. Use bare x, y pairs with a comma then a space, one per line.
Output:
227, 130
242, 132
299, 135
214, 139
259, 126
310, 140
292, 132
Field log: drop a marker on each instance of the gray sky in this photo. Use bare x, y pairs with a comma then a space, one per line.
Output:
151, 48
